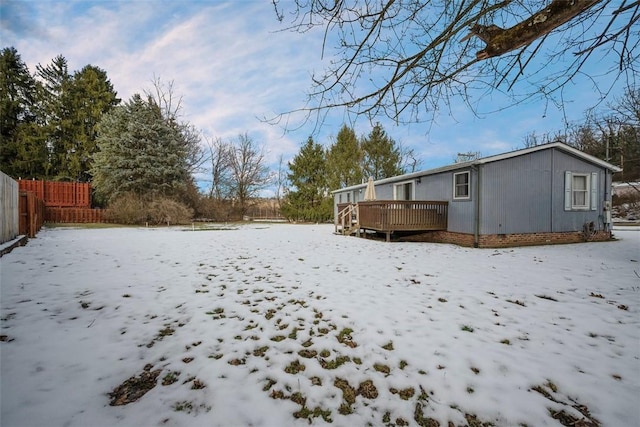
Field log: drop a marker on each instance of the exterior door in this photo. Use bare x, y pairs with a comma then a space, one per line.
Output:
403, 191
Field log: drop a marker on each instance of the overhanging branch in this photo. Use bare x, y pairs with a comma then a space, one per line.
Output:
500, 41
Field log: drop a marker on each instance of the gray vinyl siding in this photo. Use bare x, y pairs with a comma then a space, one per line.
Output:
384, 192
516, 195
439, 187
574, 220
525, 194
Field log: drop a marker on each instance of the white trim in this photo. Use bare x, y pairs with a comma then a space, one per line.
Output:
590, 191
468, 184
594, 191
586, 191
558, 145
567, 190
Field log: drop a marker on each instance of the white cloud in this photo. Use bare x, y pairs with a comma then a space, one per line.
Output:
232, 68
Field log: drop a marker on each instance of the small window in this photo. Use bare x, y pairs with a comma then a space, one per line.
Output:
461, 185
580, 191
348, 197
339, 198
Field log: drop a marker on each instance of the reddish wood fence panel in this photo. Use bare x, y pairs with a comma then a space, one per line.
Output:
31, 212
36, 187
59, 194
76, 215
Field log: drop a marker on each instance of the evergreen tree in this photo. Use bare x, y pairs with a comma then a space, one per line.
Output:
344, 160
54, 113
91, 96
308, 199
171, 105
70, 108
23, 152
381, 156
139, 152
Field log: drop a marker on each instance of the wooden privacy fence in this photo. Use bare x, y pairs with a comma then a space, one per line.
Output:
77, 215
9, 209
59, 194
32, 212
65, 202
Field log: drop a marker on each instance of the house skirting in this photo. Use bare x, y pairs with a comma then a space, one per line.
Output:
508, 240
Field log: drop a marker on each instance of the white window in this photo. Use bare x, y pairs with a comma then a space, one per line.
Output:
462, 185
580, 191
403, 191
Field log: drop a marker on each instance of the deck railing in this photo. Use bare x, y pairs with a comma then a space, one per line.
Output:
347, 217
399, 215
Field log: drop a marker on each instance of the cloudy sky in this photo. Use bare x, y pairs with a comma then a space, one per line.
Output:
233, 63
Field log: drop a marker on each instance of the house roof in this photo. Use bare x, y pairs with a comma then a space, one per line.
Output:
462, 165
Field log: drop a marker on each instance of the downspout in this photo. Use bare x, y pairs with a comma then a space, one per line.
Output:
551, 206
476, 210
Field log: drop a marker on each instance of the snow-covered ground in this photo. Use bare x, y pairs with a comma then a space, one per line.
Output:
279, 325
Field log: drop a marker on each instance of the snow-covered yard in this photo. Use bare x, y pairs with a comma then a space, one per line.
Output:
278, 325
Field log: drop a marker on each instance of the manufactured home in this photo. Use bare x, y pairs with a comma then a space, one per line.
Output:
546, 194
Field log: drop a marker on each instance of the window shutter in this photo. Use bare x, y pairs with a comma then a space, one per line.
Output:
567, 191
594, 191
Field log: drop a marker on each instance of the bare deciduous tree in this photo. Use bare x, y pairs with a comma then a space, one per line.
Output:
170, 105
163, 95
249, 174
612, 135
404, 59
410, 160
220, 172
280, 179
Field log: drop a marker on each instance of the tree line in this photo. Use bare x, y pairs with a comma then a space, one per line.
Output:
141, 157
350, 160
48, 121
612, 135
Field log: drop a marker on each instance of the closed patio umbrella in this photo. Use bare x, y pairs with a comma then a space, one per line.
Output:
370, 192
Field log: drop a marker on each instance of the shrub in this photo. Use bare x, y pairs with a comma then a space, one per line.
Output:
126, 209
163, 210
132, 209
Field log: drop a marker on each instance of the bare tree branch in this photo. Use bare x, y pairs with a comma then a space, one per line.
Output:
405, 59
500, 41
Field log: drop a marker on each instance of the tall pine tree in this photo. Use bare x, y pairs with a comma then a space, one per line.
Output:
90, 97
381, 156
23, 152
308, 198
54, 113
70, 108
344, 160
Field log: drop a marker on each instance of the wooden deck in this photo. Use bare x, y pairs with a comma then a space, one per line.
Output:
388, 216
